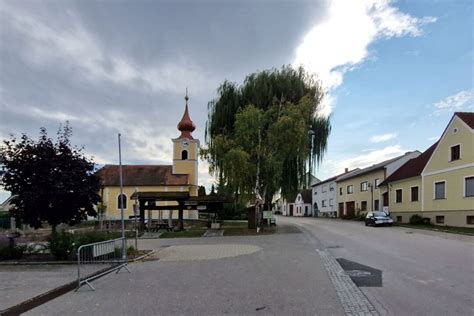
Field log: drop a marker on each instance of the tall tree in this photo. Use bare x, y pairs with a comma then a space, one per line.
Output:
50, 180
265, 134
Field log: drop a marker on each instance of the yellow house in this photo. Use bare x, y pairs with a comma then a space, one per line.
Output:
181, 176
445, 178
360, 191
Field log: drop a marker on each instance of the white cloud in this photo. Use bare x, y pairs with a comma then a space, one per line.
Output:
455, 102
366, 159
382, 138
71, 46
340, 42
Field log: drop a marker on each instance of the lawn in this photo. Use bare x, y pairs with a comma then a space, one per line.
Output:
446, 229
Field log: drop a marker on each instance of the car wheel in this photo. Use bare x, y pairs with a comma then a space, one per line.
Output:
366, 224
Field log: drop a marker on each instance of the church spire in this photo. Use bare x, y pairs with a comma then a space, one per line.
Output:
186, 125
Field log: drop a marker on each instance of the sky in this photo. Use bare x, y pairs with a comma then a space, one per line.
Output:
394, 72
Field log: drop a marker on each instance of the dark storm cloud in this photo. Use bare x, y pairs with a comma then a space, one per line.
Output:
110, 67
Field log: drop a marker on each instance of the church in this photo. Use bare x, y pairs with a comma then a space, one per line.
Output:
181, 176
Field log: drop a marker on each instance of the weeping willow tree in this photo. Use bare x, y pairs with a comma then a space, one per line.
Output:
265, 135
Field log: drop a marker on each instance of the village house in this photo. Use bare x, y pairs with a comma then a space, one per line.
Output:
303, 203
181, 176
439, 184
325, 197
359, 192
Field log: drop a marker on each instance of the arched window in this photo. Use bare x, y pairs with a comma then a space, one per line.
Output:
121, 198
184, 155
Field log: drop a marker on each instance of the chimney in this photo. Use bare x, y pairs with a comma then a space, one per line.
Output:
346, 170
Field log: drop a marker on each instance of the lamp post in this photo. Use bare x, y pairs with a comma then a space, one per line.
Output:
124, 253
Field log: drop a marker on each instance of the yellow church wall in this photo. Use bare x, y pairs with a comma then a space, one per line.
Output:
110, 197
192, 148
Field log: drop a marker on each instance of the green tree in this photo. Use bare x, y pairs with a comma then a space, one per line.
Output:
50, 180
265, 135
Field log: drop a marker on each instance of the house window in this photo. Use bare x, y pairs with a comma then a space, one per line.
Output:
363, 186
363, 206
340, 191
184, 155
376, 205
331, 188
440, 190
350, 189
377, 182
470, 220
324, 188
331, 202
324, 203
398, 196
121, 198
455, 152
414, 194
469, 186
439, 219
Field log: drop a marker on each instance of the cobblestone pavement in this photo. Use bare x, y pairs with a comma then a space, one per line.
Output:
205, 252
353, 300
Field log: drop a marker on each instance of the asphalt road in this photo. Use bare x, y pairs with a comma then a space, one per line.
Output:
423, 273
278, 274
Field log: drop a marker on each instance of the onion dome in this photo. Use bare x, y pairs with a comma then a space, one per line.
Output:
186, 125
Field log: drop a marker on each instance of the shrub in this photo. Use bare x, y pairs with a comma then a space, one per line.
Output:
416, 219
361, 216
15, 252
62, 245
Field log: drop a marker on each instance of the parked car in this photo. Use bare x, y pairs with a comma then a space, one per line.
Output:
378, 218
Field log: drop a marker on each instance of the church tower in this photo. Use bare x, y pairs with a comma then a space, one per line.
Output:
186, 150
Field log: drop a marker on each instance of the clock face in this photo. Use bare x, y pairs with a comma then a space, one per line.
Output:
185, 142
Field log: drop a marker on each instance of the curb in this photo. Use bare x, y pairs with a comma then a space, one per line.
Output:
54, 293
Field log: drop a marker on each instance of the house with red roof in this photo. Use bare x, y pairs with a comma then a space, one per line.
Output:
180, 176
438, 184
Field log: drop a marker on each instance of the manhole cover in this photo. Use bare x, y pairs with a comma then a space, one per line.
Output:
358, 273
333, 247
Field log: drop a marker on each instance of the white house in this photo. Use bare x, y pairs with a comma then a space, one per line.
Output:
325, 197
304, 203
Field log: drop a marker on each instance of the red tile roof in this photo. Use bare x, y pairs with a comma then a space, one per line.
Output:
467, 117
412, 167
141, 175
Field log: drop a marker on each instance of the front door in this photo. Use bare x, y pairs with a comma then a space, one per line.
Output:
350, 208
291, 210
385, 199
341, 209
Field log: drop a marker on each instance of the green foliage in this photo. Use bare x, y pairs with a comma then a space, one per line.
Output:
361, 216
62, 245
50, 180
15, 252
416, 220
265, 134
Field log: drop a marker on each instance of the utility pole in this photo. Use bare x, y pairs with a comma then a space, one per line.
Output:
124, 253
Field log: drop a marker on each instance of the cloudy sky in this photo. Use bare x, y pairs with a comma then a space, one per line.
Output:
394, 71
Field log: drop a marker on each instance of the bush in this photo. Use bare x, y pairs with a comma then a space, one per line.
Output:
15, 252
62, 245
416, 220
361, 216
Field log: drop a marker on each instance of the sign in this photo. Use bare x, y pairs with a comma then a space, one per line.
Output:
267, 214
136, 209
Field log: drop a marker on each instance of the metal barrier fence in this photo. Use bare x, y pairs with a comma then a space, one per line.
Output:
111, 253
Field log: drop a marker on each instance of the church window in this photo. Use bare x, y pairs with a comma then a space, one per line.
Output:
184, 155
121, 198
